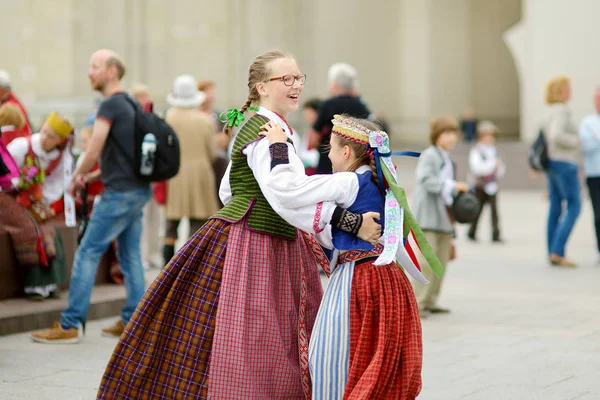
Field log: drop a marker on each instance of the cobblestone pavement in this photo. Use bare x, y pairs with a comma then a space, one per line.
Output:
519, 329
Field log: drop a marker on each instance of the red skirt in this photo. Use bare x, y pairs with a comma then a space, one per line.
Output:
386, 349
33, 242
367, 341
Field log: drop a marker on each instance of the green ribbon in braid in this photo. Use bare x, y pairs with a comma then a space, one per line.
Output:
234, 116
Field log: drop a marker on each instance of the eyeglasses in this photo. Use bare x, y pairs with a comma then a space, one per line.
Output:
288, 80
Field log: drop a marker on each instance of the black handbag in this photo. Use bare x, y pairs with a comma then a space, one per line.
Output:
465, 207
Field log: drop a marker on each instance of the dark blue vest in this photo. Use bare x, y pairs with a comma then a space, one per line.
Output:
369, 198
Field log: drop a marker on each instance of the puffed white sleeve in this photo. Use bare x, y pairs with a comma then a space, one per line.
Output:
313, 212
288, 182
225, 188
18, 149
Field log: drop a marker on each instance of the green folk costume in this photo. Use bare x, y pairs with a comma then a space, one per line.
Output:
247, 196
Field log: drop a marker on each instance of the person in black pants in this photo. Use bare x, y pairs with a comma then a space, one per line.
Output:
589, 132
486, 168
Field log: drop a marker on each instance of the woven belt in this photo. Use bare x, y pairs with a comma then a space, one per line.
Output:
359, 255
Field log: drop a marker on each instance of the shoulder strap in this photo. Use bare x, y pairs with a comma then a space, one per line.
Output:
53, 165
130, 101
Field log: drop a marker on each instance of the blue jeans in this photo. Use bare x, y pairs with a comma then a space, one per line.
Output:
563, 185
117, 215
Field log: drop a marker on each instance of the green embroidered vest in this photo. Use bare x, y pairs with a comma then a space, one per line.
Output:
247, 197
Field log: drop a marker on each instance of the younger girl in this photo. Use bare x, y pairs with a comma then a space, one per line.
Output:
366, 343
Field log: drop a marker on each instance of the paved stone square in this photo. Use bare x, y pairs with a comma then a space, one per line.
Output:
518, 330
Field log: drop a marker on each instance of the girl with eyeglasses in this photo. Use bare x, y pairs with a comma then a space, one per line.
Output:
230, 316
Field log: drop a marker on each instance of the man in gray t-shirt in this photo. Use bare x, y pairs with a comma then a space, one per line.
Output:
118, 213
116, 168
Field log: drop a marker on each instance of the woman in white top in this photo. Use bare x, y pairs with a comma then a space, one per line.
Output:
564, 151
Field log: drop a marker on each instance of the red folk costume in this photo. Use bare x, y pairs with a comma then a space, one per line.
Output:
25, 130
37, 209
366, 341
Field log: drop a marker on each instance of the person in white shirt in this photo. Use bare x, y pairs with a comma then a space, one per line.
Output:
589, 132
486, 168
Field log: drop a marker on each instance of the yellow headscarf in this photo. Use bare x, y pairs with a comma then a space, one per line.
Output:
59, 125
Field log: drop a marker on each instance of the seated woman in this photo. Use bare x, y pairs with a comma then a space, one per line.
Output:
36, 207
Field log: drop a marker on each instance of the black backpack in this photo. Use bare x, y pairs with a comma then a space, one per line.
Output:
156, 154
538, 153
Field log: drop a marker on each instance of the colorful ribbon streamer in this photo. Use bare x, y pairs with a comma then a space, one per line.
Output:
411, 223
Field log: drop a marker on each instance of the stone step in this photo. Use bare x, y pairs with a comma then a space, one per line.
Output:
21, 315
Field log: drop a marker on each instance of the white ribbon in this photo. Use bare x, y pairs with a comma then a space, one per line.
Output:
393, 235
69, 202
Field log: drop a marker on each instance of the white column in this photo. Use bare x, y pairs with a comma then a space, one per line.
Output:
414, 55
555, 37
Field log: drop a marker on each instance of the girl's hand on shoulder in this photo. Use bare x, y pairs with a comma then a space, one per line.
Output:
274, 132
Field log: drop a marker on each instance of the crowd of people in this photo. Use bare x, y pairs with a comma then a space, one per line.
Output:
239, 310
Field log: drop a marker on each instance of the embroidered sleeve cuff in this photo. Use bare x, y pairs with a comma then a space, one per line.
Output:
346, 221
279, 154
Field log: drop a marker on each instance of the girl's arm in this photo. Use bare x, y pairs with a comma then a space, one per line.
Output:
93, 176
288, 182
18, 149
309, 213
225, 188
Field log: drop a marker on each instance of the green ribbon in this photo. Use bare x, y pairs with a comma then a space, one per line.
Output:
411, 223
234, 116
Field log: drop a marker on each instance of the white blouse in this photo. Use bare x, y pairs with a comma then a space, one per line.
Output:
305, 202
54, 184
482, 162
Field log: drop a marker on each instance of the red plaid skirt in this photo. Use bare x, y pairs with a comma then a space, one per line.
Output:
386, 351
228, 318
